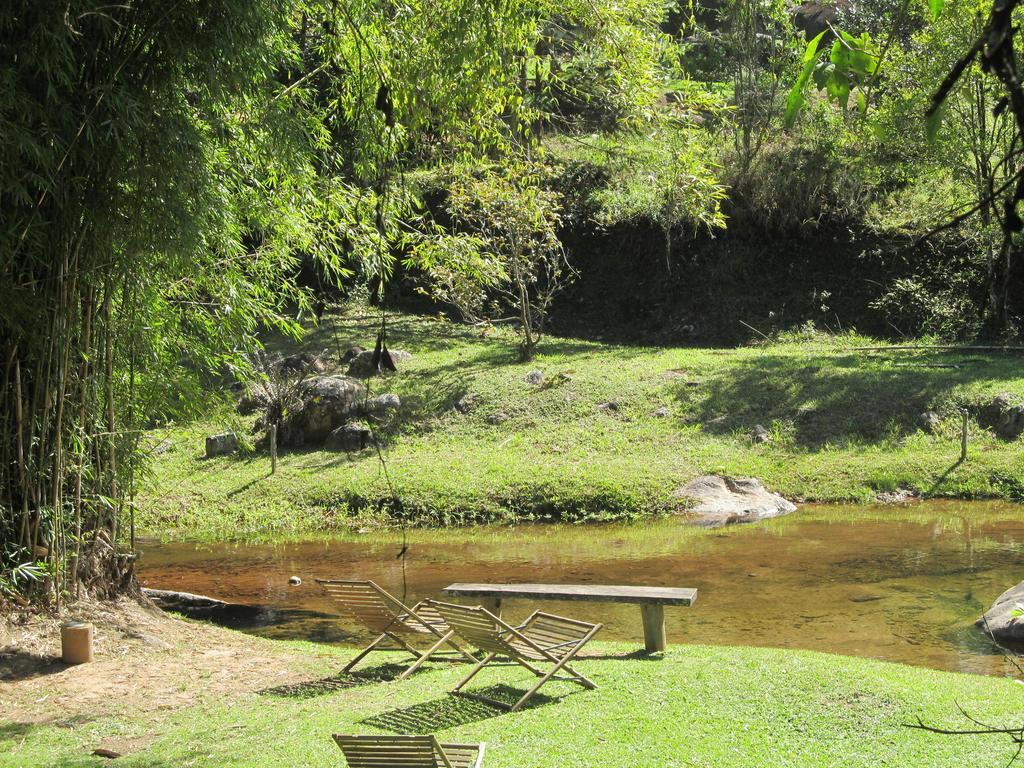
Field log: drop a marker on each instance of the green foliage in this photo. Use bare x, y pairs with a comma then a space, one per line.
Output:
521, 263
169, 165
665, 176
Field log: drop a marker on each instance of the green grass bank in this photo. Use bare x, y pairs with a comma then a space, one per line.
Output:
842, 422
698, 706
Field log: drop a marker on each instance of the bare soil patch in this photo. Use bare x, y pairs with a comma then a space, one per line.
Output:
145, 661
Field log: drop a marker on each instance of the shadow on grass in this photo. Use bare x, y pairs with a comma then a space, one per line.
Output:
18, 665
829, 398
436, 715
637, 655
343, 681
11, 731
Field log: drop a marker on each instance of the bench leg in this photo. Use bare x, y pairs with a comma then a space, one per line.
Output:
492, 604
654, 627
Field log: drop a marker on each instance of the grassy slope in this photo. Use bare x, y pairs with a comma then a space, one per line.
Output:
699, 706
843, 425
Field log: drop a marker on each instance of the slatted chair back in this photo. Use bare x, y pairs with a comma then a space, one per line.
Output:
392, 751
556, 635
368, 604
407, 752
482, 628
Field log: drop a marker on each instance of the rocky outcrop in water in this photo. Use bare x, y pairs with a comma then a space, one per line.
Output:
182, 601
1000, 620
722, 500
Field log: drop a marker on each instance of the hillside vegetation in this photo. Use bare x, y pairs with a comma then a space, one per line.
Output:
611, 432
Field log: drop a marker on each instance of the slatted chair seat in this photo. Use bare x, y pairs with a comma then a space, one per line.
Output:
408, 752
543, 638
376, 609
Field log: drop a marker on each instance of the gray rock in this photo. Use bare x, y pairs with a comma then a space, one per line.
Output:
171, 600
362, 364
302, 363
465, 404
351, 437
1011, 423
611, 405
724, 500
760, 434
497, 418
999, 621
151, 640
221, 445
992, 411
661, 413
382, 405
899, 496
328, 402
1004, 414
351, 354
930, 422
534, 377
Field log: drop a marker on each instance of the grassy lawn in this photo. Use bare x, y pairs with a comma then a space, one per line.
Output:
843, 426
699, 706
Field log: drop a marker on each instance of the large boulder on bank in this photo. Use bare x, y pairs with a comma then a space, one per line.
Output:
1004, 414
221, 445
719, 500
383, 405
1000, 622
352, 438
362, 364
328, 402
1011, 423
302, 363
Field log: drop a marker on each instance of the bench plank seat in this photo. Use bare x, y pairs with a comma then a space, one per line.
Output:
595, 592
651, 600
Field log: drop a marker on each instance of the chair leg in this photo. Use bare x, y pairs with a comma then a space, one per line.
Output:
425, 656
472, 673
585, 682
363, 654
563, 662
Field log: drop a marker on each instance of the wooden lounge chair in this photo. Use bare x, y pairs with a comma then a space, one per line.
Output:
408, 752
374, 608
542, 638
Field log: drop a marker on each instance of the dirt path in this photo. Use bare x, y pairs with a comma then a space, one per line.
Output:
145, 661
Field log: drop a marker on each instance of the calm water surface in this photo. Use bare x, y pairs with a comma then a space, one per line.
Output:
897, 583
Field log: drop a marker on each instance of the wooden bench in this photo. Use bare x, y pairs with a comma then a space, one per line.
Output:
652, 600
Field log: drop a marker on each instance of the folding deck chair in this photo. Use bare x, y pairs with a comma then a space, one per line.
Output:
408, 752
543, 637
371, 606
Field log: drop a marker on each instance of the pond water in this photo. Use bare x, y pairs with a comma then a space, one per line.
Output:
898, 583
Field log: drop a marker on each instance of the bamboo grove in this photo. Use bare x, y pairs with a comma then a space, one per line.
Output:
164, 169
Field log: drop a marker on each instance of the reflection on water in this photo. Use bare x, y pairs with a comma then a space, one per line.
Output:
903, 584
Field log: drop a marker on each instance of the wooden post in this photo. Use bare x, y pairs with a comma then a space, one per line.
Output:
76, 642
963, 438
273, 448
654, 627
492, 604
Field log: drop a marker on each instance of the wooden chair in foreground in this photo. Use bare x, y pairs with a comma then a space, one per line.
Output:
408, 752
374, 608
542, 639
